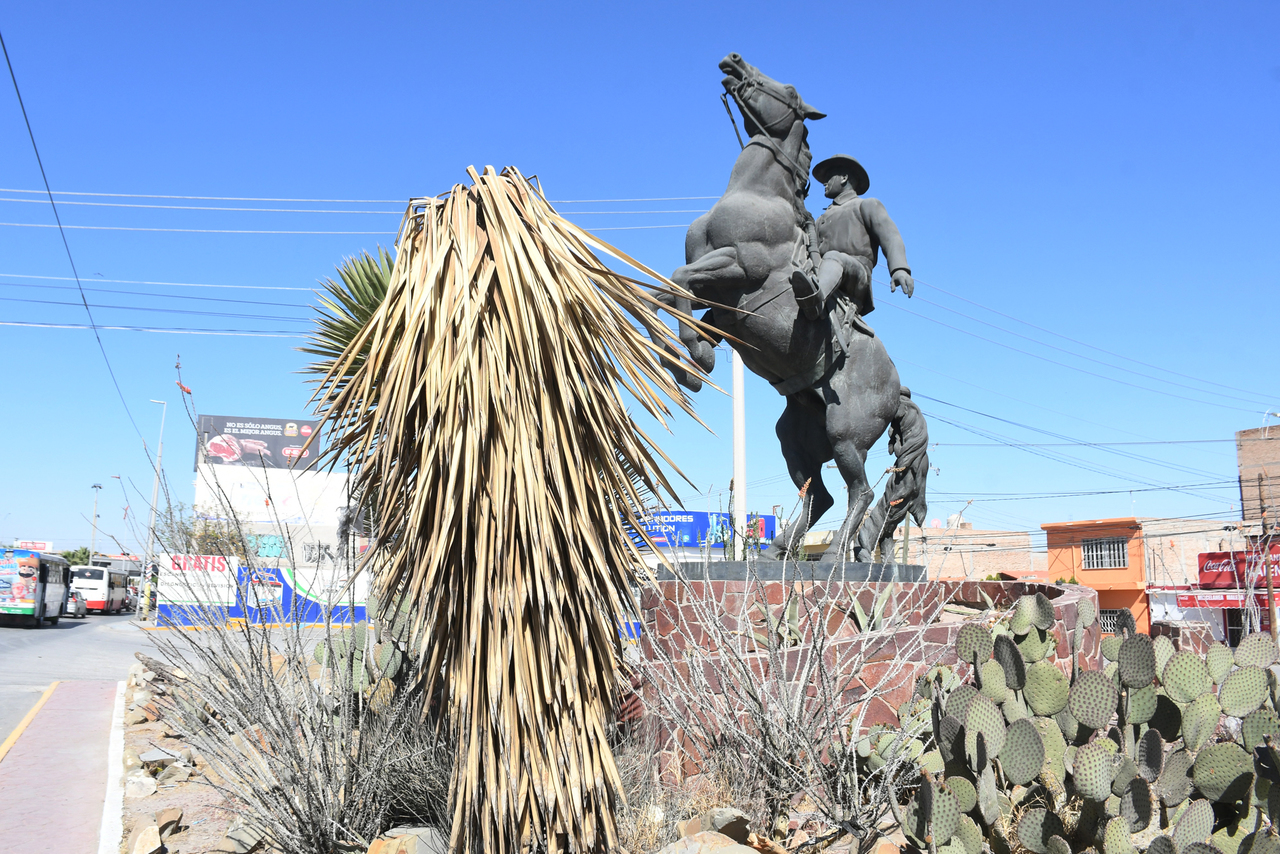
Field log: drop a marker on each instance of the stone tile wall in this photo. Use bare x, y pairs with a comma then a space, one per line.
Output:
677, 614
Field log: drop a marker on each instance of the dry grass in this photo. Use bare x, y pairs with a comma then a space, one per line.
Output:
484, 409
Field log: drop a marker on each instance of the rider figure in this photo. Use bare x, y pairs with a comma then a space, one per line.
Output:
850, 233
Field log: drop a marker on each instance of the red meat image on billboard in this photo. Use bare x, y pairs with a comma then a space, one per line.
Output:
254, 442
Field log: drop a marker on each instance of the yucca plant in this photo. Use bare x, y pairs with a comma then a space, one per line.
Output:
346, 306
484, 407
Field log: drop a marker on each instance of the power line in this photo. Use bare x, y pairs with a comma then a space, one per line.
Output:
1257, 398
1050, 433
1064, 364
167, 284
1079, 444
276, 231
165, 296
65, 245
340, 201
246, 333
302, 210
167, 310
1081, 343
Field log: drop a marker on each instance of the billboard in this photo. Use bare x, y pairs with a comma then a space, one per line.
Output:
1237, 569
694, 529
274, 443
19, 580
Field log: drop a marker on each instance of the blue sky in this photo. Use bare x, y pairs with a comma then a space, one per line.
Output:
1102, 175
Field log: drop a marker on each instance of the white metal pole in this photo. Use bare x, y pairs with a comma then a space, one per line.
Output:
93, 542
155, 491
739, 458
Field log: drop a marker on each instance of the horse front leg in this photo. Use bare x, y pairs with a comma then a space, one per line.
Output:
802, 433
700, 349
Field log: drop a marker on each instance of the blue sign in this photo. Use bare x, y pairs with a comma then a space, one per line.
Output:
695, 529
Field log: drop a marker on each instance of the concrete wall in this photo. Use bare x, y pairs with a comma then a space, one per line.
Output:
961, 552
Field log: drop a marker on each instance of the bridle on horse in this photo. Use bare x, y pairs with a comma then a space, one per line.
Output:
739, 92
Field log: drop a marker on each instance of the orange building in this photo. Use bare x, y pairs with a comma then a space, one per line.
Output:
1107, 555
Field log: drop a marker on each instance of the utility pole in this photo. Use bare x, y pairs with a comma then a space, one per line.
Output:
739, 458
144, 603
93, 543
1266, 561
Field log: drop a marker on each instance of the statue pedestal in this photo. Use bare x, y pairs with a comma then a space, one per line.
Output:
790, 570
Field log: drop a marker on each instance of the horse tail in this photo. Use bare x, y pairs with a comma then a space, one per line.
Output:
904, 493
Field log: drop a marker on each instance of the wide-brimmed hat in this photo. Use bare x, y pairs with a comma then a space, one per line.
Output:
843, 163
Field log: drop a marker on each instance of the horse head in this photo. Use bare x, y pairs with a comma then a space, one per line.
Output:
768, 107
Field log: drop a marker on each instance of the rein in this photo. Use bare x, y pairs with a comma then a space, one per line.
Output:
764, 139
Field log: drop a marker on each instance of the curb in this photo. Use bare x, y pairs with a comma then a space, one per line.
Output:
26, 721
112, 828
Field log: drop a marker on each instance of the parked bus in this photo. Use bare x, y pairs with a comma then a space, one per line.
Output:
104, 589
33, 586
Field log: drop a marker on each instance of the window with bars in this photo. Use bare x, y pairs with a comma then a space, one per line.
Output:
1107, 620
1105, 553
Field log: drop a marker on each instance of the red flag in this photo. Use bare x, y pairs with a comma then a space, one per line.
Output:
181, 386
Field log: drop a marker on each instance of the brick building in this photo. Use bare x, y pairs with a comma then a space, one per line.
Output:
1258, 458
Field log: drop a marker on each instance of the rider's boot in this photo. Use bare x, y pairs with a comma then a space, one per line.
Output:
808, 296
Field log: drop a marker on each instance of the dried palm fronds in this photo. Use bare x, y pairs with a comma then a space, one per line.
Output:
482, 409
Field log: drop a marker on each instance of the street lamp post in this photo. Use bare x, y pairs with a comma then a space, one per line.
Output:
93, 542
739, 459
145, 603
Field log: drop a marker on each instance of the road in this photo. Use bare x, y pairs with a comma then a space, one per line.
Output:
96, 647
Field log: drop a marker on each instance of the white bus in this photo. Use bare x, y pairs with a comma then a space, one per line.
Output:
104, 589
33, 586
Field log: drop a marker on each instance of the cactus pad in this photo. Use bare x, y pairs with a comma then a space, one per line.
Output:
1111, 647
965, 793
1219, 659
1194, 826
1164, 651
988, 795
1116, 838
1125, 624
1086, 613
919, 814
1161, 845
1041, 612
1036, 828
1023, 753
973, 643
950, 737
1141, 704
1200, 848
1019, 622
1136, 805
1092, 700
1058, 845
1260, 842
1036, 644
1199, 720
1055, 747
968, 833
1046, 689
1015, 669
946, 814
1186, 677
1257, 726
1257, 649
1167, 719
1223, 773
1014, 708
1137, 661
958, 700
982, 718
1150, 755
1174, 783
991, 675
1068, 725
1243, 690
1093, 771
1126, 773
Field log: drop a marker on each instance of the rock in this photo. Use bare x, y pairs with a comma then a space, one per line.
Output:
765, 845
141, 697
411, 840
134, 718
707, 842
188, 756
151, 710
175, 773
139, 786
131, 759
148, 675
240, 838
168, 821
726, 820
148, 841
159, 756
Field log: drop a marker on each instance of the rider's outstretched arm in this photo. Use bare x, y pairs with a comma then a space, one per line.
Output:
883, 230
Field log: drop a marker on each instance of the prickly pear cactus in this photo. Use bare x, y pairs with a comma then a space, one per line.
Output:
1161, 752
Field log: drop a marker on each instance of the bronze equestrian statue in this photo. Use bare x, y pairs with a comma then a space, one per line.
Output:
794, 292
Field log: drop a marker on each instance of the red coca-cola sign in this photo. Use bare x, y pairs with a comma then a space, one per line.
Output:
1238, 569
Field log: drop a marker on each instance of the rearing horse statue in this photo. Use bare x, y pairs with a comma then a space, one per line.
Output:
842, 390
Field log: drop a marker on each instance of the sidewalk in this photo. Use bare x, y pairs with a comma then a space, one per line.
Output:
53, 780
